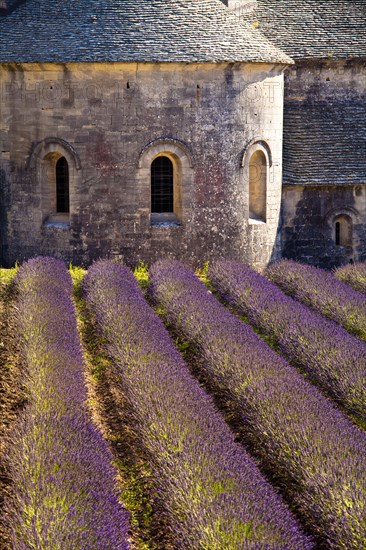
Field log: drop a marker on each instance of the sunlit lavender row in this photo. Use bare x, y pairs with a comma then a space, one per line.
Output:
353, 275
333, 358
313, 452
64, 484
323, 292
211, 490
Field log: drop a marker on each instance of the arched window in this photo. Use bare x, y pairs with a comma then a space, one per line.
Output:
58, 172
162, 185
62, 186
338, 233
343, 230
257, 186
165, 182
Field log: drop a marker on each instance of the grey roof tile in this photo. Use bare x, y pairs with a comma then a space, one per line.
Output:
131, 30
314, 28
325, 143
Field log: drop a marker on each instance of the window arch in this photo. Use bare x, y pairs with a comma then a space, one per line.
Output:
343, 230
56, 177
257, 163
162, 185
62, 186
258, 186
165, 181
57, 169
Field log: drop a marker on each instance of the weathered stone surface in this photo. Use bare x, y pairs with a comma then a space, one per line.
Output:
309, 215
149, 95
7, 6
324, 160
109, 121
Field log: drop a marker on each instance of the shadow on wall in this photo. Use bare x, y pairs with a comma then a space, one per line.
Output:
4, 202
326, 229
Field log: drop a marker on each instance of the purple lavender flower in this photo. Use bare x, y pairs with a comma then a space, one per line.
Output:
64, 483
323, 292
207, 485
312, 451
353, 275
326, 352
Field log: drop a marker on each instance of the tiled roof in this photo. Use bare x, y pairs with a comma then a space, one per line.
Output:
131, 30
314, 28
324, 143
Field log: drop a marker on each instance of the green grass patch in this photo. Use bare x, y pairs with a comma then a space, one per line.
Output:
7, 275
141, 273
77, 274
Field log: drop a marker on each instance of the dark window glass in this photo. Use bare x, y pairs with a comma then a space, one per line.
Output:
62, 186
338, 233
162, 185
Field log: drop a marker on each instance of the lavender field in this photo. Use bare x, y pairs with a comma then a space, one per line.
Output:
161, 411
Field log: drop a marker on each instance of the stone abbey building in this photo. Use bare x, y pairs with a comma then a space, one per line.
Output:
194, 129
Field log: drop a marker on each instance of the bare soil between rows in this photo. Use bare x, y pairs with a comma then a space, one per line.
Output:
12, 395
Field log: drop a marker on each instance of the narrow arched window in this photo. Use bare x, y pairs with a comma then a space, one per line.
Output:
338, 233
62, 186
343, 230
257, 186
162, 185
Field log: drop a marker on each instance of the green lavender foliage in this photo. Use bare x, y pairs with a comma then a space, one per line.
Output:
64, 484
353, 275
330, 356
208, 486
323, 292
313, 452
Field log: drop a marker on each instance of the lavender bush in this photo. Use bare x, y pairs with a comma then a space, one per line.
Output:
353, 275
311, 449
323, 292
208, 486
64, 483
326, 352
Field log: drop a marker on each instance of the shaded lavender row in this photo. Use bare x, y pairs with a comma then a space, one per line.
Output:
332, 357
64, 483
353, 275
323, 292
313, 451
209, 487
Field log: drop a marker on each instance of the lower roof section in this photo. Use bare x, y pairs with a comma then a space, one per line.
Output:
323, 29
325, 143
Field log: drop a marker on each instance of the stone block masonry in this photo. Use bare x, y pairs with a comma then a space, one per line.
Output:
110, 120
324, 182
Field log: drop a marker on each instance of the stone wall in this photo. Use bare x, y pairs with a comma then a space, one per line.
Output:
324, 161
309, 218
7, 6
109, 121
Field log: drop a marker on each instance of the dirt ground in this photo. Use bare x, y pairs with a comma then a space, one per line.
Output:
12, 397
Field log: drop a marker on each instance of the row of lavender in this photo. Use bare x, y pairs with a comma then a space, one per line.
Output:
353, 275
329, 355
315, 454
64, 484
323, 292
208, 486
